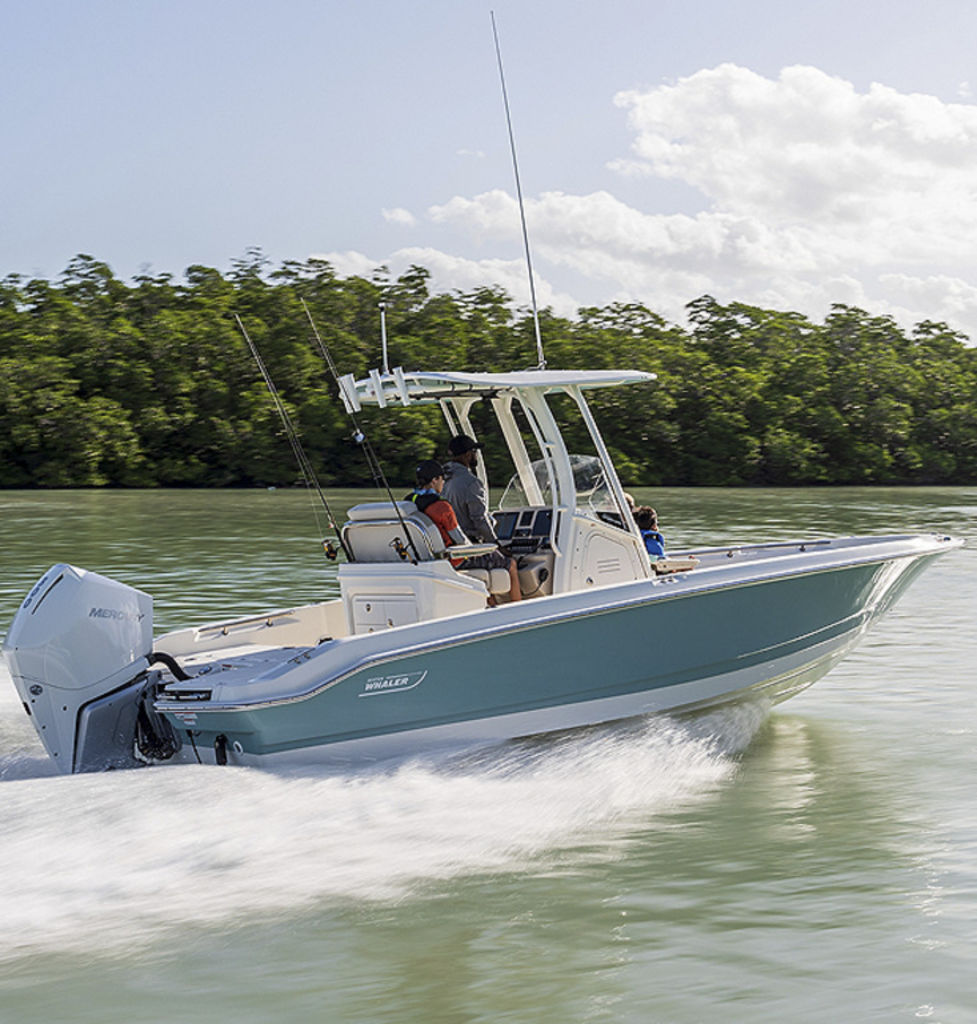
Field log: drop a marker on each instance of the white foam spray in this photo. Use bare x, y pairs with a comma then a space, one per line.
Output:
99, 862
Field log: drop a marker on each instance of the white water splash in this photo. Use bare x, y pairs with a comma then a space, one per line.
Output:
97, 862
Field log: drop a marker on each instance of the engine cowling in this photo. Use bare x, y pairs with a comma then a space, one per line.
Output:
77, 638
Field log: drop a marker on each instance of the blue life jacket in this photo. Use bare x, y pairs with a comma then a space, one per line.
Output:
654, 543
423, 497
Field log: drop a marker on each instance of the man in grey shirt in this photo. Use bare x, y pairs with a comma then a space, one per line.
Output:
465, 492
466, 495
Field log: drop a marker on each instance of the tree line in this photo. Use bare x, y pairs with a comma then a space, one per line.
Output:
149, 383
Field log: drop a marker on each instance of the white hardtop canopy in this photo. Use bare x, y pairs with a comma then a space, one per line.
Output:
405, 387
457, 393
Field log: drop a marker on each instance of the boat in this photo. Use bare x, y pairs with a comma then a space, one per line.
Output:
417, 654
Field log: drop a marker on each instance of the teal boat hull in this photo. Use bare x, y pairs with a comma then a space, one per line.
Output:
639, 649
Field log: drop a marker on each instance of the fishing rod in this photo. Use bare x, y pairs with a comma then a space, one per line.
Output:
304, 465
359, 436
540, 358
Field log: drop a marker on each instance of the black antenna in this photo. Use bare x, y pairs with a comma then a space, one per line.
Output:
360, 437
306, 467
540, 358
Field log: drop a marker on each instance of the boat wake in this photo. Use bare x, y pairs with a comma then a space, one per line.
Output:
106, 861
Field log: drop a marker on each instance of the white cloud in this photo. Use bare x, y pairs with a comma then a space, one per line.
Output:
398, 215
831, 172
956, 299
811, 193
490, 213
349, 263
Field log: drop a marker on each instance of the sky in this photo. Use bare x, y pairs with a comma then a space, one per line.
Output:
784, 155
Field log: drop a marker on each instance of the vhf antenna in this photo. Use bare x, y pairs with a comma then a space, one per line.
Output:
540, 358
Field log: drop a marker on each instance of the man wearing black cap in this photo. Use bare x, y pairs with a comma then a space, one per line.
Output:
466, 494
465, 491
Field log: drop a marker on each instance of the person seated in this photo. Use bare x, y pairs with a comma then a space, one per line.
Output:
646, 519
465, 491
427, 497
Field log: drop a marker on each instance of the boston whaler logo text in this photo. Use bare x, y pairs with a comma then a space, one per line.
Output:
115, 613
392, 684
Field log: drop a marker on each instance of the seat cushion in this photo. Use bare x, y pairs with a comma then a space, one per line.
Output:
496, 580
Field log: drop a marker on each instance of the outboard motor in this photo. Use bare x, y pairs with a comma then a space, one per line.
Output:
79, 650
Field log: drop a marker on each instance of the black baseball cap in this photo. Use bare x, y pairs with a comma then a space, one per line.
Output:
463, 443
428, 470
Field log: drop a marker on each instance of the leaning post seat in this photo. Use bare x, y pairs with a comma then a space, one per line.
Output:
374, 532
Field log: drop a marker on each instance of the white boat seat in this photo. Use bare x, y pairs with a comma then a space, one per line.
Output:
369, 511
496, 580
375, 532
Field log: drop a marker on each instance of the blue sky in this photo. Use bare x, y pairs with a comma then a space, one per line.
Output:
665, 151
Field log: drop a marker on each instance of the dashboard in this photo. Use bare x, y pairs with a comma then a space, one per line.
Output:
524, 530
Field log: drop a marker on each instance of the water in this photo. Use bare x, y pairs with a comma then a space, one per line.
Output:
816, 864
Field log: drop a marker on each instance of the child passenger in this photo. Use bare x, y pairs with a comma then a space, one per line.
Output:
427, 497
647, 521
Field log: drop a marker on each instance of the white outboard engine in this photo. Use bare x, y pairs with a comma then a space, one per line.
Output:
79, 650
